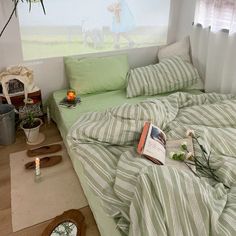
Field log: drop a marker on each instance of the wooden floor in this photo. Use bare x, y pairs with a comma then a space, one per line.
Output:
52, 135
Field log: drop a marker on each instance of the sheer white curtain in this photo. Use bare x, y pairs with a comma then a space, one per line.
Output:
214, 50
218, 14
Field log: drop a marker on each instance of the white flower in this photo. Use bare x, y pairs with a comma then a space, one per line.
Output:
190, 133
172, 154
181, 153
189, 155
184, 146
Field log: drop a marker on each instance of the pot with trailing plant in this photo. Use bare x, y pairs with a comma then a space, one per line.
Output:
14, 10
31, 126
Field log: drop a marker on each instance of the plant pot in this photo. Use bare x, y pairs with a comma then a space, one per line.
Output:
32, 134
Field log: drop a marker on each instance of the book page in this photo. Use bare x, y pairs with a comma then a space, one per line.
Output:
180, 164
174, 146
155, 144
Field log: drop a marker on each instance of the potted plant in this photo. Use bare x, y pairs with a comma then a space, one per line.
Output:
31, 126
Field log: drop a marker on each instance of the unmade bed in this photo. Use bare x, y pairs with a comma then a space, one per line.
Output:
148, 199
65, 118
127, 193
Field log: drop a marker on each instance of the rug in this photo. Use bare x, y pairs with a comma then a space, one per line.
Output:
33, 202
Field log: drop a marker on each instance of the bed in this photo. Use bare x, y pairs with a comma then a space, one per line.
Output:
65, 118
127, 193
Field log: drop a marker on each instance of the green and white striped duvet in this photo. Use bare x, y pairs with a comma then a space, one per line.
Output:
147, 199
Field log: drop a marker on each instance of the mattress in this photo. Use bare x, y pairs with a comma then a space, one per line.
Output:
65, 118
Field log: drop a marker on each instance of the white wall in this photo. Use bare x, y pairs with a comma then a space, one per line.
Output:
175, 8
186, 17
49, 73
10, 43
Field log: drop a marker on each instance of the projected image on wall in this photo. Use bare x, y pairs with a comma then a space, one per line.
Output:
72, 27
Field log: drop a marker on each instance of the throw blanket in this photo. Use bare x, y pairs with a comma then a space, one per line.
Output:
148, 199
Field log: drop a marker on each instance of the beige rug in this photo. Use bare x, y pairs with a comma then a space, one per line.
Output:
34, 202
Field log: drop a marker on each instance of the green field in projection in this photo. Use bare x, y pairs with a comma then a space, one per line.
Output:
41, 42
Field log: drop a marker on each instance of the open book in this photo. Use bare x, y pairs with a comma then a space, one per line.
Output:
154, 145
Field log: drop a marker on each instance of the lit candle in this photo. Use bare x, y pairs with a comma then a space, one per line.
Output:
37, 166
71, 96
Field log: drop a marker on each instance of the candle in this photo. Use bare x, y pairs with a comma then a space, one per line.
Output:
71, 96
37, 166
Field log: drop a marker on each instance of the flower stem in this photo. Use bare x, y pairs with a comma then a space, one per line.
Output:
10, 17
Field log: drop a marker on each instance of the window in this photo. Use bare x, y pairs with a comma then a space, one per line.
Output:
218, 14
72, 27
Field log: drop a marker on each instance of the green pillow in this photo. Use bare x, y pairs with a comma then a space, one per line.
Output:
90, 75
169, 75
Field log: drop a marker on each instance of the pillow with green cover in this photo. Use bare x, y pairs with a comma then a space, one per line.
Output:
91, 75
171, 74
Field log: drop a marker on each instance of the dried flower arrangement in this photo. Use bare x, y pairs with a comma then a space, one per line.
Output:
202, 162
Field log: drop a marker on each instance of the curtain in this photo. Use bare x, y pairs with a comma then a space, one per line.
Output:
218, 14
214, 54
213, 42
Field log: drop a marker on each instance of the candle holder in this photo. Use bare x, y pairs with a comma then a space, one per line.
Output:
37, 178
71, 95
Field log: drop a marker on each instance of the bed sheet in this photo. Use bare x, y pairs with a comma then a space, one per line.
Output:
65, 118
148, 199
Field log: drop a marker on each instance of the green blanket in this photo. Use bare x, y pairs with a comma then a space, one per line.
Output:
147, 199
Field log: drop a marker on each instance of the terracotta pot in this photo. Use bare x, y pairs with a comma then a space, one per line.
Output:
32, 133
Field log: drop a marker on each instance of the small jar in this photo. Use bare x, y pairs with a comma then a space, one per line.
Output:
71, 95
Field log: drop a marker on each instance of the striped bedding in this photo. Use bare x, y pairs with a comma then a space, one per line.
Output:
169, 75
147, 199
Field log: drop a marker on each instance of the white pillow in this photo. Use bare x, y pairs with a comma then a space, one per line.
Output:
180, 48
